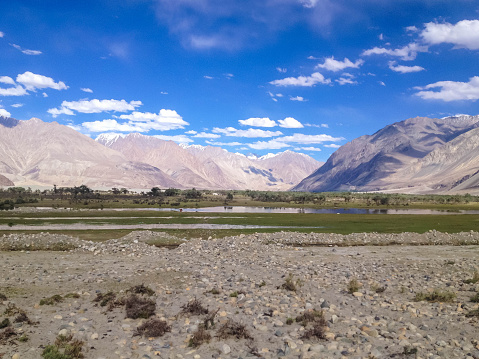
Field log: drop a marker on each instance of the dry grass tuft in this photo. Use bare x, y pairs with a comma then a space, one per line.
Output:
199, 337
137, 307
194, 307
153, 328
233, 330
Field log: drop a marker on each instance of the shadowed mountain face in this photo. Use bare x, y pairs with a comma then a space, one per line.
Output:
392, 157
8, 122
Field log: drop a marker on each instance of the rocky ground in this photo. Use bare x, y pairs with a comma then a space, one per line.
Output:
266, 295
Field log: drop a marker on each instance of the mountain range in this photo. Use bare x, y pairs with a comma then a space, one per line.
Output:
37, 153
418, 155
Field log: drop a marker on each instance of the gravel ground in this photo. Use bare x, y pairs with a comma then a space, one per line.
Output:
245, 284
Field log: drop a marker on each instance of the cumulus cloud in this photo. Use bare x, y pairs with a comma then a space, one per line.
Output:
33, 81
451, 90
86, 89
94, 106
26, 51
334, 65
249, 133
290, 122
305, 81
139, 122
206, 135
7, 80
404, 69
332, 145
464, 34
258, 122
5, 113
406, 53
13, 91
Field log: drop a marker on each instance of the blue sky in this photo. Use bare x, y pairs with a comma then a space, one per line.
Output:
250, 76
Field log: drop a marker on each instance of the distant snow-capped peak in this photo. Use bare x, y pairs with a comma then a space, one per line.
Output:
107, 139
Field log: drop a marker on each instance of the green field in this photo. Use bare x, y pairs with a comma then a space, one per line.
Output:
306, 223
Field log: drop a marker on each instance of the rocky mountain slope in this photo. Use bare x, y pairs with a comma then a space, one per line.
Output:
38, 153
419, 155
213, 167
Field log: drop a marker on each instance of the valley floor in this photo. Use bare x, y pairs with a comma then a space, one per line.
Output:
244, 280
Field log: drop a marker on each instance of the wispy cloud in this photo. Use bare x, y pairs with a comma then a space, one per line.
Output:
406, 53
86, 89
26, 51
249, 133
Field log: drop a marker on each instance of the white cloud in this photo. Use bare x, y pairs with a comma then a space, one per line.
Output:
381, 83
164, 93
45, 94
258, 122
381, 37
191, 132
180, 139
310, 139
13, 91
249, 133
404, 69
26, 51
2, 34
213, 143
229, 76
5, 113
346, 81
332, 145
281, 69
406, 53
290, 122
7, 80
297, 98
299, 138
412, 28
309, 3
208, 77
334, 65
94, 106
451, 90
315, 149
86, 89
305, 81
17, 105
464, 34
322, 125
33, 81
139, 122
206, 135
268, 145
